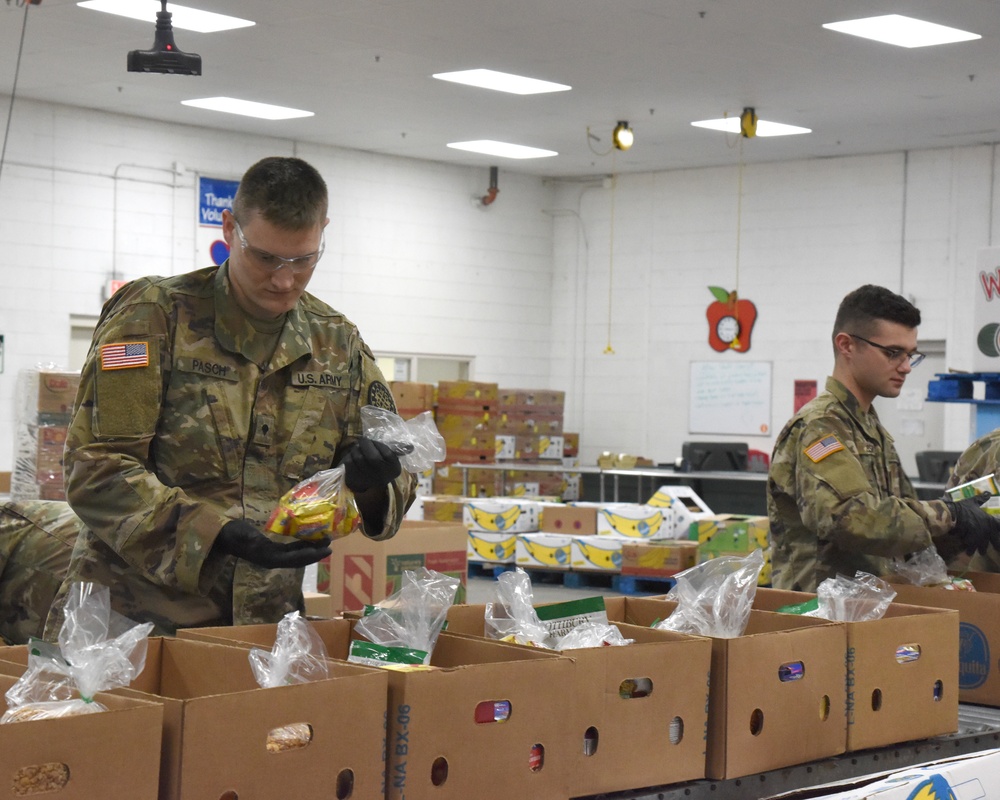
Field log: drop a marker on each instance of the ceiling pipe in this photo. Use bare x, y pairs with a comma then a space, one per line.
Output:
493, 191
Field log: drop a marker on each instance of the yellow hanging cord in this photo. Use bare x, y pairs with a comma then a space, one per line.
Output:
735, 343
609, 350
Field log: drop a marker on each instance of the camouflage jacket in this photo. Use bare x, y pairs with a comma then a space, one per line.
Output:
216, 427
838, 498
980, 458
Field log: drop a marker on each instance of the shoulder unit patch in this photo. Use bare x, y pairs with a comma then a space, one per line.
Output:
380, 396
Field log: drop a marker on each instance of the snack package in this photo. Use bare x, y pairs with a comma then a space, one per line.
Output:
927, 568
842, 599
319, 507
416, 441
298, 656
403, 628
512, 616
98, 650
715, 598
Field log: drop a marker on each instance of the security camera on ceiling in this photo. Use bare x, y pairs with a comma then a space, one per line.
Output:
164, 57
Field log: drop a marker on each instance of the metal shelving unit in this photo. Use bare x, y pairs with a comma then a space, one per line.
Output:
978, 730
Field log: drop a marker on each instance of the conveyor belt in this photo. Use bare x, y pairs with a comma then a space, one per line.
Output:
978, 729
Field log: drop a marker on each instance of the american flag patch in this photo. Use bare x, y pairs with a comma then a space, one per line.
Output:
824, 447
123, 355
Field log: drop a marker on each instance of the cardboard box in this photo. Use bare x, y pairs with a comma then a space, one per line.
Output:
658, 559
979, 632
443, 509
491, 547
901, 672
56, 395
467, 390
49, 455
532, 397
571, 445
319, 604
4, 482
688, 507
361, 571
776, 693
502, 516
597, 553
734, 534
638, 712
412, 398
634, 521
113, 755
581, 520
546, 550
217, 720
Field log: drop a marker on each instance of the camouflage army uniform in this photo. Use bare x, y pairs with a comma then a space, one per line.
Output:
980, 458
36, 540
850, 509
218, 426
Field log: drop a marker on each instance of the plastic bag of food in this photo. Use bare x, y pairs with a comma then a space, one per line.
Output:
298, 656
416, 441
715, 598
403, 628
317, 508
924, 568
591, 634
512, 616
842, 599
98, 650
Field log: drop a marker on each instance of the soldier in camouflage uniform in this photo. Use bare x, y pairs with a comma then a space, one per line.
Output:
979, 459
837, 496
36, 540
205, 397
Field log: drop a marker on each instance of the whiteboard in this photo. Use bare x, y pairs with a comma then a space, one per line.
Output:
730, 397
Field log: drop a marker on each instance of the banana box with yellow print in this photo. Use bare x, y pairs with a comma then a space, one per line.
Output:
635, 521
598, 553
688, 507
733, 534
544, 550
502, 515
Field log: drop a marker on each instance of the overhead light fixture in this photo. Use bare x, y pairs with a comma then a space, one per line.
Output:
501, 81
165, 57
247, 108
622, 136
763, 127
490, 147
902, 31
188, 19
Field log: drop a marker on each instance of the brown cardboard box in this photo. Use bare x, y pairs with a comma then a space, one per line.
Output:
638, 713
4, 482
412, 398
894, 694
56, 395
776, 693
361, 571
319, 605
571, 445
217, 720
49, 455
114, 755
569, 519
979, 632
659, 558
436, 748
443, 509
548, 398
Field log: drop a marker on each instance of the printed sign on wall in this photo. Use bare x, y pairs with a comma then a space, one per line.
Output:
214, 196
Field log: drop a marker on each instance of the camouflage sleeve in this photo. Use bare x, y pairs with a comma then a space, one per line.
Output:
837, 498
110, 481
369, 387
980, 458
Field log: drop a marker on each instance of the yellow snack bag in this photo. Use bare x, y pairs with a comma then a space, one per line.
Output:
319, 507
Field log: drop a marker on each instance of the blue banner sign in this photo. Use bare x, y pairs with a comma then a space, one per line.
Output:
214, 195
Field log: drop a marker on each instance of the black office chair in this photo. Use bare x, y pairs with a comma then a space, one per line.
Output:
935, 466
713, 456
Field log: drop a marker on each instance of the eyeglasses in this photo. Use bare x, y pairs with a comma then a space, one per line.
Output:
272, 263
894, 354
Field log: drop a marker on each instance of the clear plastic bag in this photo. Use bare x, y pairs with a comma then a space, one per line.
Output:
859, 599
512, 616
715, 598
416, 441
412, 617
924, 568
98, 650
592, 634
317, 508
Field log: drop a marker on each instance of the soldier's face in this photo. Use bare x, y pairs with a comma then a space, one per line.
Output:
877, 373
269, 267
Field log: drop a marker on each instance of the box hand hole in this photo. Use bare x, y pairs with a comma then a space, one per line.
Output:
676, 730
345, 784
756, 722
876, 700
492, 711
289, 737
791, 671
439, 771
907, 653
590, 741
631, 688
39, 778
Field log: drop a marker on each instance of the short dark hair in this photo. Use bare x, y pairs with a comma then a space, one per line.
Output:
868, 304
287, 192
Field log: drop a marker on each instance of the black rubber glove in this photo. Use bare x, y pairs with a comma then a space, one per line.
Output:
976, 529
368, 464
243, 540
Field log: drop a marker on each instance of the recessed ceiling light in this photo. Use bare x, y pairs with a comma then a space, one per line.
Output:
501, 81
903, 31
764, 128
189, 19
248, 108
502, 149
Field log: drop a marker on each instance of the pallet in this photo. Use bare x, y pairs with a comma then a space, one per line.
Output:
577, 579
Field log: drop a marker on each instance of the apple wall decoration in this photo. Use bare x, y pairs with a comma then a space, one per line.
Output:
730, 321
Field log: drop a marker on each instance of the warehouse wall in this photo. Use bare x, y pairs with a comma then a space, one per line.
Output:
412, 257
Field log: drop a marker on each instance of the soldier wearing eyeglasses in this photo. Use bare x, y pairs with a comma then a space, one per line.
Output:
837, 496
205, 397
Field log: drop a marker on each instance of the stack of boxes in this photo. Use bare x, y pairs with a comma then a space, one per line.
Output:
529, 430
412, 400
466, 418
44, 407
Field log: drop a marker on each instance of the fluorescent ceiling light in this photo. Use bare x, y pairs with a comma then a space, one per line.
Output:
764, 128
902, 31
501, 81
230, 105
189, 19
502, 149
